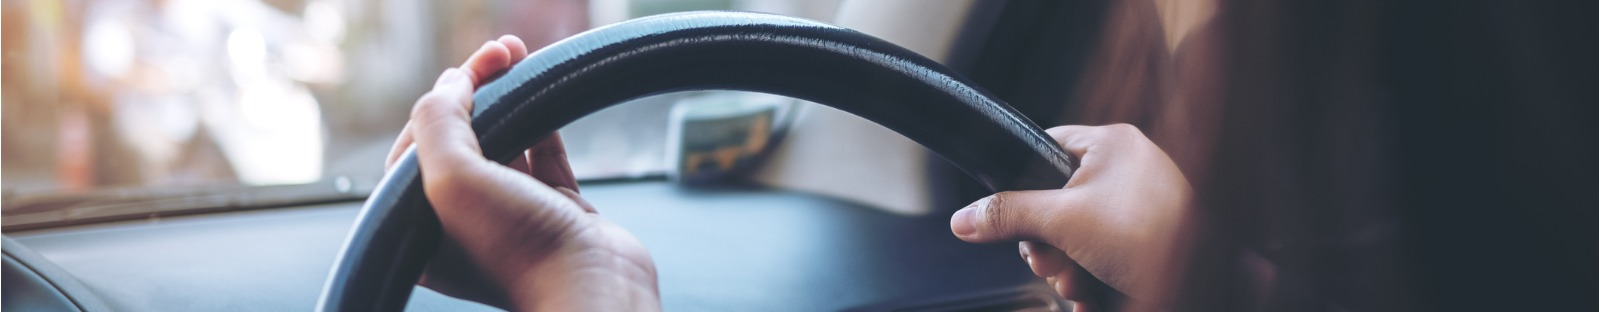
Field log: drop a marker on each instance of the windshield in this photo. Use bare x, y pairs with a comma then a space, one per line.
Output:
199, 94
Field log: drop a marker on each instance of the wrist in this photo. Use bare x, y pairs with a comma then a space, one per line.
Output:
601, 275
604, 287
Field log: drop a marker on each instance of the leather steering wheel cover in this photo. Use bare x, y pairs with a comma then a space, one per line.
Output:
396, 232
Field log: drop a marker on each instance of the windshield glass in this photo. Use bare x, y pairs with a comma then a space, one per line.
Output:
189, 94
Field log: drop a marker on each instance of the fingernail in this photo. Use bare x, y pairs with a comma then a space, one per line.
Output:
962, 223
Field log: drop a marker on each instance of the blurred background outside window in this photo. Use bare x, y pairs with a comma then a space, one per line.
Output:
192, 93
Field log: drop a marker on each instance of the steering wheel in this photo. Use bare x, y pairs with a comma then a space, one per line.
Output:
396, 232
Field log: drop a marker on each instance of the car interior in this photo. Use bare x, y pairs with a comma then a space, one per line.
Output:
801, 249
792, 155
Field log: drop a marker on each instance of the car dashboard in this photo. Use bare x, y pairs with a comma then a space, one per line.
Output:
735, 248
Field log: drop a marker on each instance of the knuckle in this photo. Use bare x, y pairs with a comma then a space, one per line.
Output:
427, 106
444, 180
1133, 138
1120, 136
1124, 129
998, 218
1063, 131
434, 108
1067, 135
451, 185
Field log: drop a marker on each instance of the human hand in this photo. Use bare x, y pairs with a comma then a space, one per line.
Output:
517, 237
1117, 220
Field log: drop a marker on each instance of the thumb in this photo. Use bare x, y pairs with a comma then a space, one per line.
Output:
1005, 216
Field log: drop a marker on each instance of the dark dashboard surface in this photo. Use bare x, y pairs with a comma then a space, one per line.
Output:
729, 249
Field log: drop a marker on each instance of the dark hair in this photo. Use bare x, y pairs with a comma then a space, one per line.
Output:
1370, 155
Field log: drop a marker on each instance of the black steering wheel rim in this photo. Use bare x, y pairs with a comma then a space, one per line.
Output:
396, 232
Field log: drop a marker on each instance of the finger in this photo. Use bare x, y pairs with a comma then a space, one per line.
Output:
549, 163
488, 61
1079, 306
1074, 283
1069, 286
400, 144
441, 127
516, 49
1045, 260
1013, 216
515, 46
489, 58
522, 164
457, 177
1091, 144
1064, 275
1075, 139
